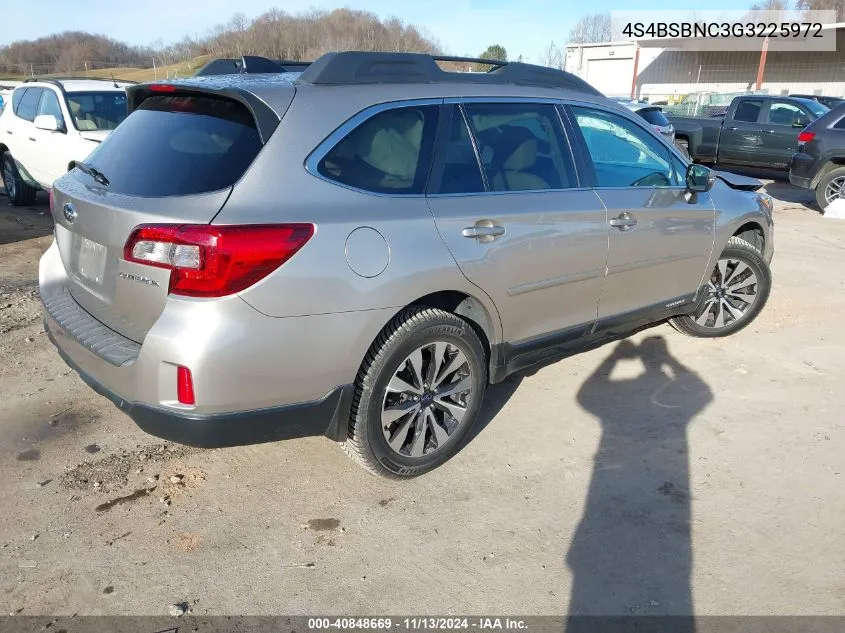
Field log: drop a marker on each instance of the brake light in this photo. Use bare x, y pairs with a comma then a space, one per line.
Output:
184, 385
51, 200
214, 261
161, 88
806, 137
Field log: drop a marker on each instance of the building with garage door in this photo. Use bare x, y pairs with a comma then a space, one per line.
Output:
662, 69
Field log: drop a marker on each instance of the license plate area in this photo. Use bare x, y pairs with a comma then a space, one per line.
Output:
91, 264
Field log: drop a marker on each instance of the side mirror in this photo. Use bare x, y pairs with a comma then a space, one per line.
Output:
48, 122
699, 178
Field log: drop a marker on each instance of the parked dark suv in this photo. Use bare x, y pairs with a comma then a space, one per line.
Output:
819, 163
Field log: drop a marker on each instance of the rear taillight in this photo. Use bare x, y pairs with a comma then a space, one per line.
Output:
213, 261
806, 137
184, 386
51, 200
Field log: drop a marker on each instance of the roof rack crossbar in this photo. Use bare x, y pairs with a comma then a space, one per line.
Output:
55, 79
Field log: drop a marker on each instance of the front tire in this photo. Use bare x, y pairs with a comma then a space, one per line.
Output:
735, 293
417, 394
831, 186
18, 191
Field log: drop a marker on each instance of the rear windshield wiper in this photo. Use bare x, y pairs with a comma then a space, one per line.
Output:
96, 174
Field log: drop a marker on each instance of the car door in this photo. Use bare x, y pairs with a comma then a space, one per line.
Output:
505, 198
52, 150
782, 122
742, 137
24, 131
660, 235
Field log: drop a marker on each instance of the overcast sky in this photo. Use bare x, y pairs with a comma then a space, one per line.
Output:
523, 27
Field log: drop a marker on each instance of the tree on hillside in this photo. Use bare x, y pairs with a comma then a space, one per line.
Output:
593, 27
553, 56
494, 51
822, 5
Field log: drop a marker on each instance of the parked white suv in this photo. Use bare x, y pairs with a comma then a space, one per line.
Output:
50, 125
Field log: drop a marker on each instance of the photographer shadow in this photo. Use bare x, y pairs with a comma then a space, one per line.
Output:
631, 553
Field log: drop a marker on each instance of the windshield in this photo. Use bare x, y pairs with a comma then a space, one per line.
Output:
97, 110
815, 107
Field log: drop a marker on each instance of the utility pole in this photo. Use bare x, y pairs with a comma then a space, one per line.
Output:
155, 72
86, 69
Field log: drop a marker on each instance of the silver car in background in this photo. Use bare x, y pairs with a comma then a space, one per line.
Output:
653, 115
359, 250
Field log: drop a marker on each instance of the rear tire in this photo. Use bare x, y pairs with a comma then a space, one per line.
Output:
736, 292
829, 184
18, 191
417, 394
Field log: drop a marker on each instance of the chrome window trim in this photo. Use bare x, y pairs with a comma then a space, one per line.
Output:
312, 161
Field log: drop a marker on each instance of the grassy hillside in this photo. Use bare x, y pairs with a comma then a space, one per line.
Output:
183, 69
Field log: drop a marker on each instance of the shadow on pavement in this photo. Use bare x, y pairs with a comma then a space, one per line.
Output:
791, 194
631, 553
24, 223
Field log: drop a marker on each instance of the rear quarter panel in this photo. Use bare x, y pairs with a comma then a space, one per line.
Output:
320, 278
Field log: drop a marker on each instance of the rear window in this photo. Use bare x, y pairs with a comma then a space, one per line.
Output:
655, 117
176, 146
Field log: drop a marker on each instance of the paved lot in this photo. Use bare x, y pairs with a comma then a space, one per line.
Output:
657, 475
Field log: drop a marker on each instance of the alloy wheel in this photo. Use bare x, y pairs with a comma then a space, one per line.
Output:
835, 189
426, 399
730, 293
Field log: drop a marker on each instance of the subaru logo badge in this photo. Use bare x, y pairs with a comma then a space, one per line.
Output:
69, 211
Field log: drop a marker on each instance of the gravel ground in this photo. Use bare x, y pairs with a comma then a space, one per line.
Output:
657, 475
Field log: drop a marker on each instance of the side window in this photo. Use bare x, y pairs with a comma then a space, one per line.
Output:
28, 106
17, 95
522, 146
840, 124
388, 153
623, 153
456, 160
50, 105
748, 111
787, 114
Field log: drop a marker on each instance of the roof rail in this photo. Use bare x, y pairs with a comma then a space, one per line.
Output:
55, 80
249, 64
356, 67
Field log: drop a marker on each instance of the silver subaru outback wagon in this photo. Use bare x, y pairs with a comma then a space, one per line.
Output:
358, 250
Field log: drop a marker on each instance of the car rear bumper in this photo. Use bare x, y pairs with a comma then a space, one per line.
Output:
801, 170
326, 416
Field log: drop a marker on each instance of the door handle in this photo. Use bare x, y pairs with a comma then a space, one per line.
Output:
623, 222
32, 138
769, 131
484, 231
8, 131
733, 127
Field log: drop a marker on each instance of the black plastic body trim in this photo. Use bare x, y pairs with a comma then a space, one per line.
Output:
327, 416
549, 348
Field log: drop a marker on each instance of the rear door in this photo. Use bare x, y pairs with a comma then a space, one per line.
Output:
519, 227
782, 122
174, 160
660, 237
742, 137
23, 145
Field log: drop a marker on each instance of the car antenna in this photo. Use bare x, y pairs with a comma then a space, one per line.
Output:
114, 81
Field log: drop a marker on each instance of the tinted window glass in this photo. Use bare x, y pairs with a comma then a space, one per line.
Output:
818, 108
388, 153
624, 154
655, 117
840, 124
748, 111
28, 106
521, 145
173, 146
460, 170
50, 105
17, 95
97, 110
787, 114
